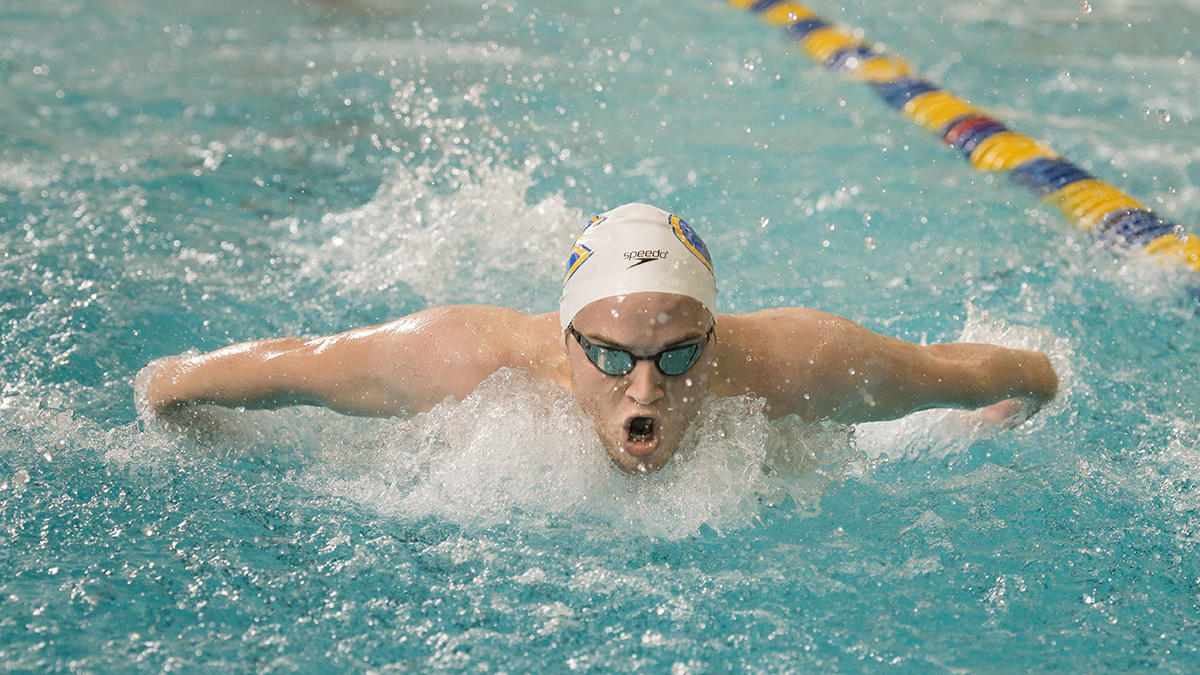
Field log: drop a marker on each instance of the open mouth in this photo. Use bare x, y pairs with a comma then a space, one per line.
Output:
641, 435
641, 429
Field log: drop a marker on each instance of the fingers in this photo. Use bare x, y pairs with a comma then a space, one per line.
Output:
1007, 414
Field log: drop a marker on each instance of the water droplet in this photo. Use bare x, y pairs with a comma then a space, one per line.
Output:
1146, 110
869, 243
1085, 6
1164, 115
763, 223
748, 64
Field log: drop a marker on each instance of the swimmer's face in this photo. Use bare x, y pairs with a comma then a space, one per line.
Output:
642, 416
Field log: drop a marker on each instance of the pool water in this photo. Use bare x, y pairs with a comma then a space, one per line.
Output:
176, 178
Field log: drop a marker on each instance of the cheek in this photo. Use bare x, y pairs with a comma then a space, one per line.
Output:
691, 389
592, 389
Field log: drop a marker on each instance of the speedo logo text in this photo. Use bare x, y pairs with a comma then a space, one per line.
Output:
642, 257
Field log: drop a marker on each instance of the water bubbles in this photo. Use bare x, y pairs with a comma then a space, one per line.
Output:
764, 222
1085, 6
869, 243
1163, 114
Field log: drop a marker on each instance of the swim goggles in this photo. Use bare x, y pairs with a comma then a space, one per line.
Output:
671, 361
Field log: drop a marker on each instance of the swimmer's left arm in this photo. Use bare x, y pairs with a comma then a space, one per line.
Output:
1007, 385
823, 366
894, 378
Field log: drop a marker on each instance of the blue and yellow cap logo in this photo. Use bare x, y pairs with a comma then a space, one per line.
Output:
691, 240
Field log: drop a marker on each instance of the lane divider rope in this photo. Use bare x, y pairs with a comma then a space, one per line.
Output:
1111, 216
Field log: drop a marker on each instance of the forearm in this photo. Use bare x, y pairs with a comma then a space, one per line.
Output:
902, 378
991, 374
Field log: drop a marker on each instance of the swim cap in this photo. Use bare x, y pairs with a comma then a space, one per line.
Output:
636, 248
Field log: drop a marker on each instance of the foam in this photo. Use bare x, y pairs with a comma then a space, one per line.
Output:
520, 448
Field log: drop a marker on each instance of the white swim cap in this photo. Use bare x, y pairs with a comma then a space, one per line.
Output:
636, 248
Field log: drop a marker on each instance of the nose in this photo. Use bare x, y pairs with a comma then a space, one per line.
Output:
645, 383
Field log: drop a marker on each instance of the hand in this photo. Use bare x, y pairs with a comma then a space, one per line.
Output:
1006, 414
197, 422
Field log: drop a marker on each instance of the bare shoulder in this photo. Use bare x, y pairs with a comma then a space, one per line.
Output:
477, 340
768, 336
792, 356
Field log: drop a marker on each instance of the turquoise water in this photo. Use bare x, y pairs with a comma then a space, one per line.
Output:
176, 177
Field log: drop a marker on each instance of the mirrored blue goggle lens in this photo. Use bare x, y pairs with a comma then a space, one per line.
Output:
679, 361
610, 361
619, 362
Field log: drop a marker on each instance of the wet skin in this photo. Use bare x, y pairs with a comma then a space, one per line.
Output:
800, 361
642, 416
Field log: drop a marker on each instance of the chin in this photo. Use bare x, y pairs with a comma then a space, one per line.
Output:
644, 462
638, 466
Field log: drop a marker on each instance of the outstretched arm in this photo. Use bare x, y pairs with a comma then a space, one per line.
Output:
1007, 385
823, 366
404, 366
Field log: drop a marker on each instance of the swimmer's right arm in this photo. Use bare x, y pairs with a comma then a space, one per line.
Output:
405, 366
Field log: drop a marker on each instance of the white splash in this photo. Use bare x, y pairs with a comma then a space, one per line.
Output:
479, 242
520, 447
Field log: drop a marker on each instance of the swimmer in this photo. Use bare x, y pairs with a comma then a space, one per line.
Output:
637, 338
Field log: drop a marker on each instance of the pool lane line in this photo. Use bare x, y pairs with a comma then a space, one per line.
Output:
1112, 217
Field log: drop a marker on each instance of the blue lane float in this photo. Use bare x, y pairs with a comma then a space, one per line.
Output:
1111, 216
